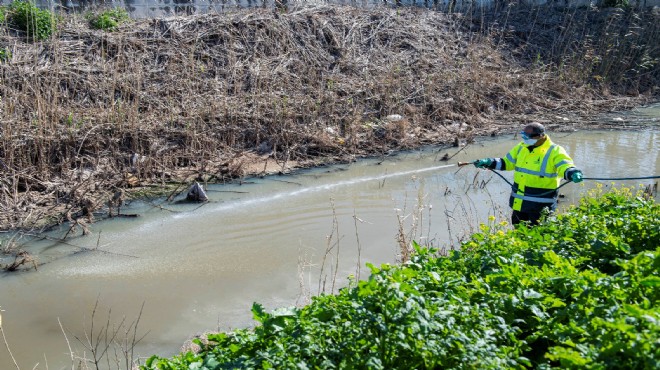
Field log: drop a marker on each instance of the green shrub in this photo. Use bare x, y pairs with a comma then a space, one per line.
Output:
108, 20
580, 291
5, 55
3, 14
36, 23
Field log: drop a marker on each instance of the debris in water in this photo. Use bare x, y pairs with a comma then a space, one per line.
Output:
197, 193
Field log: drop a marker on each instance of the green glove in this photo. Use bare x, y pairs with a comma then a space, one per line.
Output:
483, 163
576, 176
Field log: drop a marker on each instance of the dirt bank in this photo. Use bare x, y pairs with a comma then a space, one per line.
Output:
90, 118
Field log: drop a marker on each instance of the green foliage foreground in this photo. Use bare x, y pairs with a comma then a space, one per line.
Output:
580, 291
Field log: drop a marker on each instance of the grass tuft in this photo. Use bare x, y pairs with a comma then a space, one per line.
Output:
109, 20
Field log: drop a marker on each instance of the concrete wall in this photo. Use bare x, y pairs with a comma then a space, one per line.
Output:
159, 8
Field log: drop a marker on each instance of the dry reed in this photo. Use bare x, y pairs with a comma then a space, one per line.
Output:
183, 99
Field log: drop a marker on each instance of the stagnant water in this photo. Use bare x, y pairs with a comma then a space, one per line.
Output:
199, 269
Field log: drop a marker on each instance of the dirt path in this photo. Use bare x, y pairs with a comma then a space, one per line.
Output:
91, 118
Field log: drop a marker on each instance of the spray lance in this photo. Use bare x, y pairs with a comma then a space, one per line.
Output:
461, 164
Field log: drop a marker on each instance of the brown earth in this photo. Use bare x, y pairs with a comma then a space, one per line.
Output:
91, 118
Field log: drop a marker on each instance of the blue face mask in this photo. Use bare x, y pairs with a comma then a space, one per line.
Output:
528, 140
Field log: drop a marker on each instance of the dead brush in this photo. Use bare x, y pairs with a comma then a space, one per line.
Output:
330, 256
21, 257
188, 93
650, 191
4, 339
106, 343
9, 246
411, 225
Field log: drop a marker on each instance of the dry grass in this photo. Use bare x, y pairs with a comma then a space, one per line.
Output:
187, 98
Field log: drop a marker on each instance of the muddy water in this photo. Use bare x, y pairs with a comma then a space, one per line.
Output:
265, 241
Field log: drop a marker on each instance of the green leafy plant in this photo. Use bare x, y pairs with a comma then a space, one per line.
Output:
580, 291
25, 16
109, 20
5, 55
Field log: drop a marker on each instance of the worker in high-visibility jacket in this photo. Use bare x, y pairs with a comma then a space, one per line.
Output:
539, 166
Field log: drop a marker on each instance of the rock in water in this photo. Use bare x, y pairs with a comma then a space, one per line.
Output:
197, 193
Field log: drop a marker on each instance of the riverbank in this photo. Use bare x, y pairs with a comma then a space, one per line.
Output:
90, 118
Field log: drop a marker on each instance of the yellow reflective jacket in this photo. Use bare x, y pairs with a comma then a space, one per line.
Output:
537, 173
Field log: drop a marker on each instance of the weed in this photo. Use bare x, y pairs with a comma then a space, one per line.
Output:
111, 342
109, 20
36, 23
5, 55
4, 339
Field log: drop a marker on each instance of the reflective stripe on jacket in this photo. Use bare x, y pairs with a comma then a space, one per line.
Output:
537, 173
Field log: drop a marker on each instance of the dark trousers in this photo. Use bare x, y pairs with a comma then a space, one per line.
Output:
532, 217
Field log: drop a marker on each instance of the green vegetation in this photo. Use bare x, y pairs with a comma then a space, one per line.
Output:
580, 291
5, 54
109, 20
36, 23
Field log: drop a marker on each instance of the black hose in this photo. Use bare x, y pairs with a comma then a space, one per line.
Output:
621, 178
584, 178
